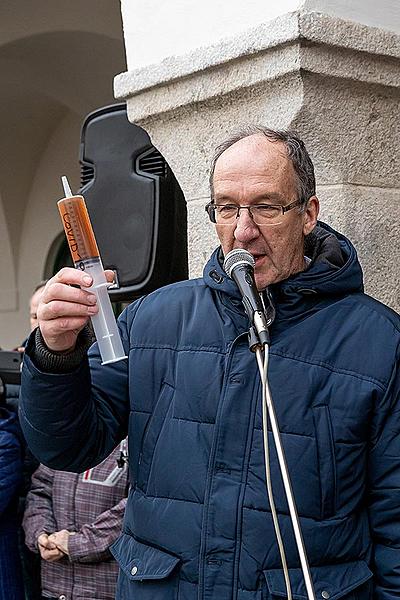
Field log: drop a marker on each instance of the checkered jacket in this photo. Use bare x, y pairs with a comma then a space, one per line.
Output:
92, 504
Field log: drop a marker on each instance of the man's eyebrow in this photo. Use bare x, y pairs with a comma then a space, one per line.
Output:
261, 198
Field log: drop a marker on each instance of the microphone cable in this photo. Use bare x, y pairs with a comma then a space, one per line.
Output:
269, 410
263, 368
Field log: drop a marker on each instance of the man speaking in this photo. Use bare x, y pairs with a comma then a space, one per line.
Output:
198, 522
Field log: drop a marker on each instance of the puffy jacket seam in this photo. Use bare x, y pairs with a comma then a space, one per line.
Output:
131, 313
134, 308
244, 589
172, 498
209, 479
330, 367
303, 517
395, 367
380, 313
202, 422
34, 428
244, 483
177, 349
289, 433
150, 412
186, 283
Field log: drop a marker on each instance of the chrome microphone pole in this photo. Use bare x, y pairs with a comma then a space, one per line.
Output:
268, 402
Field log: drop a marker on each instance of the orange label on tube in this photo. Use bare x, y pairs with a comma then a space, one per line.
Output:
78, 228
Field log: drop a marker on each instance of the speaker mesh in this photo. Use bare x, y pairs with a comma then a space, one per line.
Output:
152, 162
87, 174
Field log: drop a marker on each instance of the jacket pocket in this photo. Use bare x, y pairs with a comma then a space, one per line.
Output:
152, 433
145, 572
331, 582
326, 460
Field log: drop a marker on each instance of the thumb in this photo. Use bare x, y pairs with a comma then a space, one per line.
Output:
110, 275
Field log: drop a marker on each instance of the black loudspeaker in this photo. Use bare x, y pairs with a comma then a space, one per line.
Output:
136, 206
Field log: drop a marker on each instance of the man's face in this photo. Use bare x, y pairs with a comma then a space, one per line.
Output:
257, 171
33, 306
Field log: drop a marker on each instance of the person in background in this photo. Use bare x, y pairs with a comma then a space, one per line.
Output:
11, 587
29, 560
34, 302
70, 520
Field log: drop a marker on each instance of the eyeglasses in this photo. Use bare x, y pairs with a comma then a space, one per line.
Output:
262, 214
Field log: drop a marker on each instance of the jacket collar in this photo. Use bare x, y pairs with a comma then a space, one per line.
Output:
334, 271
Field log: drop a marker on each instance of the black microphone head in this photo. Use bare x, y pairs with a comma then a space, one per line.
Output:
238, 257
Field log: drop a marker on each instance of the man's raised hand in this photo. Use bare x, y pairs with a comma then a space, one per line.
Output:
64, 309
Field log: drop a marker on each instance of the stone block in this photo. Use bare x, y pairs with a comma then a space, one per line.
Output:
370, 218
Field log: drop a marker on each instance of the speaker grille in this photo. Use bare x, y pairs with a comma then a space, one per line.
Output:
152, 162
87, 174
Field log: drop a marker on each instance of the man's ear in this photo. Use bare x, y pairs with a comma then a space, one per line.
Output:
310, 215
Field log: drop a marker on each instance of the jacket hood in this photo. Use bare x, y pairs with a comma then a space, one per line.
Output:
334, 270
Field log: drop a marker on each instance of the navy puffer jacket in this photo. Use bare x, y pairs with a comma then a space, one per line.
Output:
198, 522
10, 479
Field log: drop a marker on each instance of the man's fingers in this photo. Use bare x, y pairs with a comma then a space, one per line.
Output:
64, 325
62, 291
65, 307
77, 277
59, 308
48, 547
109, 275
51, 555
43, 540
71, 276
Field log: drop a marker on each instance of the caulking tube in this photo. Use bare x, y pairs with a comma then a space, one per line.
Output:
86, 256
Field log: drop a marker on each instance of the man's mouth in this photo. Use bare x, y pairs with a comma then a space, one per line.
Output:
258, 258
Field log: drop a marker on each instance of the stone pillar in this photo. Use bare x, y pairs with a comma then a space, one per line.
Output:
336, 82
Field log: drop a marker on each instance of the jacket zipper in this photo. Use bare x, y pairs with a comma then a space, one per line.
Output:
210, 474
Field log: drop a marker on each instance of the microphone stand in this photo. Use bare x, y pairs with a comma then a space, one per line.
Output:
262, 355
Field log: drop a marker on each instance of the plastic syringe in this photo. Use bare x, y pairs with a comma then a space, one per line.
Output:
86, 256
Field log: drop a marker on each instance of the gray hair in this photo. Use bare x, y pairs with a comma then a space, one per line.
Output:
296, 152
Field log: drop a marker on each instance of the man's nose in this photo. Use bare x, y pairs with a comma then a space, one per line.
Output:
245, 229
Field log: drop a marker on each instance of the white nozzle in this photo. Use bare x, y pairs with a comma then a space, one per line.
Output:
67, 189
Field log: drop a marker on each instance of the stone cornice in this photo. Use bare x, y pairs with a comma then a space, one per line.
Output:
258, 39
332, 31
312, 42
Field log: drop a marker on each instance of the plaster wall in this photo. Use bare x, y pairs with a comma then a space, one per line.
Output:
157, 30
57, 63
386, 15
41, 222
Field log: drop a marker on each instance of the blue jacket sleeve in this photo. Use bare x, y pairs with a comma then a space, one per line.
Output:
384, 491
72, 421
10, 458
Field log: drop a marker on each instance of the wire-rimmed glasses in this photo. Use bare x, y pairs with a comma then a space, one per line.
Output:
262, 214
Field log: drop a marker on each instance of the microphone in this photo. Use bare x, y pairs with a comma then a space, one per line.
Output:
239, 266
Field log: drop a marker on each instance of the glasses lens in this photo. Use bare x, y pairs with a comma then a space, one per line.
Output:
266, 215
225, 213
262, 214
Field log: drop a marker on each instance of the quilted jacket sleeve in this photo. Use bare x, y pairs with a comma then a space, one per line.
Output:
384, 491
73, 421
10, 458
38, 516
